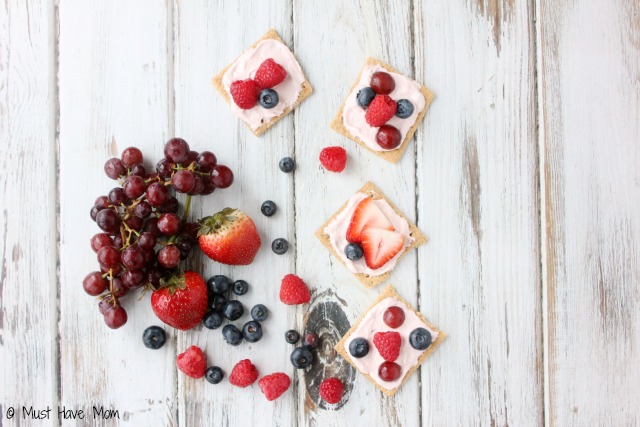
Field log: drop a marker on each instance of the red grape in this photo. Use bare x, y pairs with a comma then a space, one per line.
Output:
133, 257
208, 186
115, 318
164, 168
118, 287
170, 206
183, 181
222, 176
108, 220
152, 227
135, 223
393, 317
132, 278
176, 150
94, 284
102, 202
152, 277
157, 194
117, 196
134, 186
388, 137
197, 187
389, 371
114, 168
382, 83
169, 224
192, 157
131, 156
117, 241
184, 246
142, 210
191, 229
169, 256
206, 161
100, 240
147, 240
107, 304
115, 270
109, 257
139, 170
94, 212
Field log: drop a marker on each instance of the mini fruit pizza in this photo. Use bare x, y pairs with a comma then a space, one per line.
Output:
369, 235
264, 83
383, 110
389, 342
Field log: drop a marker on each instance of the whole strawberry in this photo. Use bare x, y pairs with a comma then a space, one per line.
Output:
269, 74
229, 237
333, 159
243, 374
293, 290
244, 93
192, 362
331, 390
388, 345
181, 300
381, 109
274, 385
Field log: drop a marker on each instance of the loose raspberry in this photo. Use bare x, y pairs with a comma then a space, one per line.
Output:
334, 159
270, 74
274, 385
293, 290
244, 93
243, 374
388, 345
192, 362
331, 390
381, 109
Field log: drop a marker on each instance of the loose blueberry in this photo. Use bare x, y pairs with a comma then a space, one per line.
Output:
212, 320
280, 246
252, 331
311, 340
232, 335
219, 284
268, 208
365, 96
301, 358
287, 164
259, 313
291, 336
154, 337
405, 109
359, 347
353, 251
213, 374
420, 339
240, 287
268, 98
233, 310
217, 302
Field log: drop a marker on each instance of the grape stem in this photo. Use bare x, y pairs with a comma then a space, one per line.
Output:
187, 208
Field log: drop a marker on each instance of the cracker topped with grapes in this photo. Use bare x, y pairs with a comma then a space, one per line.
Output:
383, 110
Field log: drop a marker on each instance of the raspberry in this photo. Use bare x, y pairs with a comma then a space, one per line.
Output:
381, 109
293, 290
331, 390
334, 159
243, 374
269, 74
244, 93
388, 345
192, 362
274, 385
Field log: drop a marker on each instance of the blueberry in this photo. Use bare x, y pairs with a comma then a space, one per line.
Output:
301, 358
287, 164
268, 98
252, 331
232, 335
219, 284
420, 339
291, 336
233, 310
359, 347
212, 320
240, 287
353, 251
259, 313
154, 337
217, 301
268, 208
213, 374
280, 246
311, 340
365, 96
405, 108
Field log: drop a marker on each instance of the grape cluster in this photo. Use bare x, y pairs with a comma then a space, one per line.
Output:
143, 238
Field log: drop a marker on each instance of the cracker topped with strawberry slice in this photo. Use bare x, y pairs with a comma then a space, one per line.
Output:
369, 235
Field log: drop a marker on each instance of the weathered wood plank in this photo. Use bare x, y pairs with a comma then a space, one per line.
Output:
332, 40
478, 199
208, 37
28, 236
590, 104
113, 94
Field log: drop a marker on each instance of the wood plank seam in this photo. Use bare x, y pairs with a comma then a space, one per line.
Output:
55, 85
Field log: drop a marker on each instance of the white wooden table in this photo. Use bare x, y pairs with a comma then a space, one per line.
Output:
524, 175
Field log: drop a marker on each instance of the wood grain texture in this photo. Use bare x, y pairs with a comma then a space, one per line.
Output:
590, 104
114, 93
28, 235
350, 31
478, 202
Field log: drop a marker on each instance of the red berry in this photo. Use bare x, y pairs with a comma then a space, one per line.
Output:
116, 317
331, 390
222, 176
192, 362
169, 224
114, 168
206, 161
389, 371
147, 240
269, 74
134, 186
118, 288
133, 257
388, 137
274, 385
169, 256
131, 156
108, 256
107, 303
176, 150
381, 109
293, 290
393, 317
388, 345
157, 194
94, 284
244, 93
132, 278
183, 181
334, 159
382, 83
198, 186
243, 374
100, 240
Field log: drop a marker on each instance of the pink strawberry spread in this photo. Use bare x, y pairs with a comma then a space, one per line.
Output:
246, 66
337, 232
353, 116
373, 322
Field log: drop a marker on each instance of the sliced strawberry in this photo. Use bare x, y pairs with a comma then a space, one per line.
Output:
380, 245
366, 215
